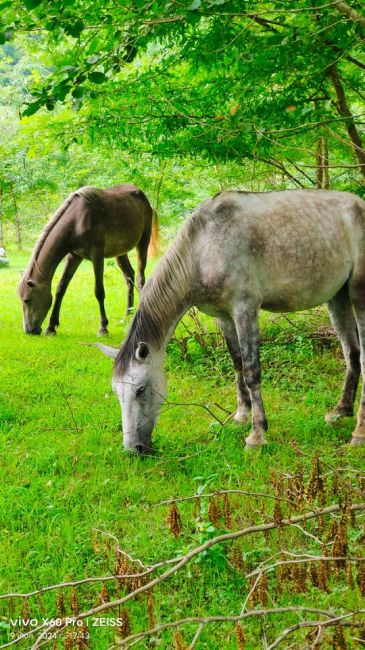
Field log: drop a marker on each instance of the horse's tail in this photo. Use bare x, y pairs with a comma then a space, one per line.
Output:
153, 248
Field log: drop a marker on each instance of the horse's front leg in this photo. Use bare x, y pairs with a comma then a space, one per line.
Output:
72, 263
98, 264
246, 322
243, 412
128, 272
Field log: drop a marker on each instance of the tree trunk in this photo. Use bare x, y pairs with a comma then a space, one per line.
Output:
159, 185
17, 223
344, 111
322, 164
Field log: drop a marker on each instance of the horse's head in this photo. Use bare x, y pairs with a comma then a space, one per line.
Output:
141, 389
36, 300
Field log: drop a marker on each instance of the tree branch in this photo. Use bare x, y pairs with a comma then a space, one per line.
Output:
343, 109
349, 12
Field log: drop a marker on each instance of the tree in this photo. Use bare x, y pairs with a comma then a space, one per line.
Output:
260, 82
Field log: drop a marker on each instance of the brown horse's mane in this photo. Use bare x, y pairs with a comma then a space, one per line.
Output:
91, 194
164, 294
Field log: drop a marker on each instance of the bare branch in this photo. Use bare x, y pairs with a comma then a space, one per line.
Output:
321, 624
303, 560
332, 620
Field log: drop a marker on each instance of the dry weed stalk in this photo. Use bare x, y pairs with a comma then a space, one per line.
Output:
241, 637
214, 511
173, 520
124, 629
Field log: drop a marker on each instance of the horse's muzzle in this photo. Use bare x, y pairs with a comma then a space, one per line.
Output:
33, 330
139, 450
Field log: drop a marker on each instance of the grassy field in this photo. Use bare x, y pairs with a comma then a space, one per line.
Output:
69, 495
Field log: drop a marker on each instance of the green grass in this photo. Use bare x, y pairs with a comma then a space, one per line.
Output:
64, 475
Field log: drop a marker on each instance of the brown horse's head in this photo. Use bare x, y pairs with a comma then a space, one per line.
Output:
36, 300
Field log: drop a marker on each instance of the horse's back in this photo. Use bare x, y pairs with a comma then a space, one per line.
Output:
291, 250
115, 217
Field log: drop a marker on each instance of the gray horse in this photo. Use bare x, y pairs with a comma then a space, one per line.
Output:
240, 252
91, 224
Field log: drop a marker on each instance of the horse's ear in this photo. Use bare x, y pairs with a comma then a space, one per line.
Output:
30, 283
142, 351
107, 350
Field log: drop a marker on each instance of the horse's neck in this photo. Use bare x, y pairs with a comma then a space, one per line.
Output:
54, 248
167, 296
172, 322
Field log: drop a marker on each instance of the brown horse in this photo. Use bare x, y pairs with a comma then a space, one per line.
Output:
91, 224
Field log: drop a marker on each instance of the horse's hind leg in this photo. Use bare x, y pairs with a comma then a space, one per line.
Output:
247, 327
128, 272
243, 397
343, 320
72, 263
98, 264
142, 252
357, 297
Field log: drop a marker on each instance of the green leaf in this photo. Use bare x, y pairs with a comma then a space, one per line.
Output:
97, 77
193, 17
93, 59
32, 108
194, 5
61, 91
2, 38
32, 4
75, 29
78, 92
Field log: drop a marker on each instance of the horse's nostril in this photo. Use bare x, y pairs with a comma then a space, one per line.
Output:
139, 449
35, 330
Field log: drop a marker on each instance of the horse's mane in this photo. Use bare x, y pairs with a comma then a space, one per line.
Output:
164, 294
90, 194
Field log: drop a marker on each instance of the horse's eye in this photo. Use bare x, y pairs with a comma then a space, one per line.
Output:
140, 391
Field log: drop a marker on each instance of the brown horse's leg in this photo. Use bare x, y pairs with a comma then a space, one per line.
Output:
243, 397
98, 264
128, 272
142, 251
72, 263
343, 320
247, 327
357, 297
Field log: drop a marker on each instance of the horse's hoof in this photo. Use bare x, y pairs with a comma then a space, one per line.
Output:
241, 418
334, 417
254, 442
50, 331
249, 446
356, 441
103, 332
